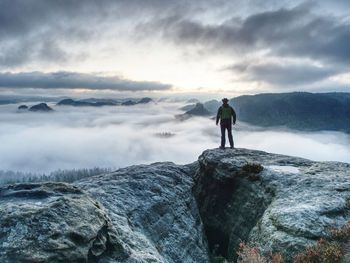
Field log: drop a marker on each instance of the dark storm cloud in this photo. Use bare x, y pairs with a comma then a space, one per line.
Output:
72, 80
41, 30
35, 30
283, 74
295, 32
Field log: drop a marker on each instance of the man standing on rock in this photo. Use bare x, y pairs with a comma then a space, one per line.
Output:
227, 117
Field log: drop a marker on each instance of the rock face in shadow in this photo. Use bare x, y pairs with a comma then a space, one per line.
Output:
289, 204
54, 222
154, 212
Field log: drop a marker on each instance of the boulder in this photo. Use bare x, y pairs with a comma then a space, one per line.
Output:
54, 222
154, 212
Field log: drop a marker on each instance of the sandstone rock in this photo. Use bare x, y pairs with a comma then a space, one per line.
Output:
154, 212
54, 222
288, 205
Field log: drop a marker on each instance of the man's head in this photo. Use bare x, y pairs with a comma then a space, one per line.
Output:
224, 100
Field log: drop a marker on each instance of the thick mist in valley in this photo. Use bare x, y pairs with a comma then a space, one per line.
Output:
119, 136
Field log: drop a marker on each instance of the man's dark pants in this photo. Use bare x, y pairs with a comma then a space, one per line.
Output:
226, 124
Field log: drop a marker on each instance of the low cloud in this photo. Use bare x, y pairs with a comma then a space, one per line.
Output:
285, 74
73, 80
121, 136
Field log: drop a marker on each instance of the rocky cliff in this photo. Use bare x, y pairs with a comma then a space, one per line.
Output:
290, 203
170, 213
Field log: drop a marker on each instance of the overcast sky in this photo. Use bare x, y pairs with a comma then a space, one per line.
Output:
168, 47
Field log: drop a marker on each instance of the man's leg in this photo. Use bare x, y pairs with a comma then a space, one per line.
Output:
229, 133
222, 126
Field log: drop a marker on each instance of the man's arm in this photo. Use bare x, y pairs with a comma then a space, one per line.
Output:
218, 116
233, 115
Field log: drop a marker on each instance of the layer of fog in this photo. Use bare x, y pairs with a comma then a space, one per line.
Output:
119, 136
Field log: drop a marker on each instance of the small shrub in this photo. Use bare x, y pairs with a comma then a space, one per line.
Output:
323, 252
347, 202
340, 235
253, 168
250, 253
277, 258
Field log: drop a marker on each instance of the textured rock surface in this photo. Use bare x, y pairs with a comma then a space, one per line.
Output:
54, 222
154, 211
289, 204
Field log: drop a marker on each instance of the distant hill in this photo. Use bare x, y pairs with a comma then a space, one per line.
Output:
131, 102
92, 102
23, 107
212, 106
84, 103
43, 107
193, 110
198, 110
144, 100
128, 103
297, 110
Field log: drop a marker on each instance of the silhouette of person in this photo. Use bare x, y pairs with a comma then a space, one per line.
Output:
227, 117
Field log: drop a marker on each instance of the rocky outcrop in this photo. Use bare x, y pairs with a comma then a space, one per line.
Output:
41, 107
154, 212
289, 204
170, 213
54, 222
22, 107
